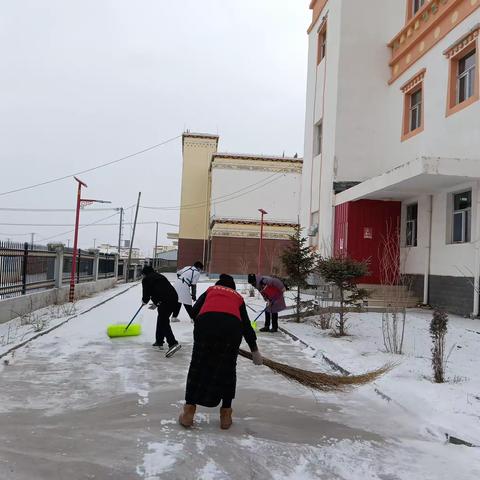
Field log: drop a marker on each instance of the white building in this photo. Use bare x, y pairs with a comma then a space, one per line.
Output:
220, 222
392, 139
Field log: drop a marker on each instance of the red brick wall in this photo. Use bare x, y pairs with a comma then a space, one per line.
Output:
189, 252
239, 256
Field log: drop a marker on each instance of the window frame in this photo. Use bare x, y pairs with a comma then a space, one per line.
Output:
466, 219
411, 8
318, 139
462, 49
409, 89
414, 223
322, 43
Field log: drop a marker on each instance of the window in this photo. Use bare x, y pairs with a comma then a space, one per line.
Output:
322, 44
411, 230
317, 146
466, 77
463, 81
413, 109
462, 214
417, 5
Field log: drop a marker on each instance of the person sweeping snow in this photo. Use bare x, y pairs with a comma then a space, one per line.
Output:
272, 290
157, 288
186, 287
221, 320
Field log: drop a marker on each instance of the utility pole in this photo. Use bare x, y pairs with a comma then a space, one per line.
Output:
81, 202
32, 236
259, 268
133, 234
94, 242
120, 230
156, 244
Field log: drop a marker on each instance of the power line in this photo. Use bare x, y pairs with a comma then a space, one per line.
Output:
81, 226
47, 182
9, 209
223, 198
84, 225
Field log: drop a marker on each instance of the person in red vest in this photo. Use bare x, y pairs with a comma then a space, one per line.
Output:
272, 290
220, 322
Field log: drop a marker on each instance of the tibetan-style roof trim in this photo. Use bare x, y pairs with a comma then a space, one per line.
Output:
263, 158
239, 221
200, 135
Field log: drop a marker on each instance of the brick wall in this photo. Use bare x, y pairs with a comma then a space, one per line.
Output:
189, 252
239, 256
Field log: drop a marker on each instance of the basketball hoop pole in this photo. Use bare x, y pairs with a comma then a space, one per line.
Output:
73, 271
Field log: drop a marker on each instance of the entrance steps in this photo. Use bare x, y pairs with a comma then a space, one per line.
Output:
390, 295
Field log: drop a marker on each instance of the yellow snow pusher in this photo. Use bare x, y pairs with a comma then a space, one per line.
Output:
125, 330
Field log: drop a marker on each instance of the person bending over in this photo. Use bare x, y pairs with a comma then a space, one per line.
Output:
186, 287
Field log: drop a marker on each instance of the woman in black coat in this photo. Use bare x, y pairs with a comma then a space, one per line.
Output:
221, 320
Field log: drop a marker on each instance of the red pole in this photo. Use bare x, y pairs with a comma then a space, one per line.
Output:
259, 267
71, 295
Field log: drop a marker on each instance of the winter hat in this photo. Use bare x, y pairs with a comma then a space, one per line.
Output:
252, 279
226, 281
147, 269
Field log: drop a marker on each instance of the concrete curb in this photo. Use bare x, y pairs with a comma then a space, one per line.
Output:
449, 438
51, 329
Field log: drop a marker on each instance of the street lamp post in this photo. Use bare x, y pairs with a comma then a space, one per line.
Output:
259, 267
81, 202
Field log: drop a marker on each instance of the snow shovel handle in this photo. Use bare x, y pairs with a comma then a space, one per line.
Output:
134, 317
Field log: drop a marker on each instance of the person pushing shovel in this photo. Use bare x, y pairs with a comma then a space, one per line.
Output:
157, 288
186, 287
272, 290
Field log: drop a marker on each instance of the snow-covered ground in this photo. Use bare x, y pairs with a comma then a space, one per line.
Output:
452, 407
75, 404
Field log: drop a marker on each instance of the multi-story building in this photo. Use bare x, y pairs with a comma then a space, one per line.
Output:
392, 140
222, 193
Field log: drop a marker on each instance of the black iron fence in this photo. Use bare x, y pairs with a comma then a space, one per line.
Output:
25, 268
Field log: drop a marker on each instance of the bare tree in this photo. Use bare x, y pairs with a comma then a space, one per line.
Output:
395, 291
438, 332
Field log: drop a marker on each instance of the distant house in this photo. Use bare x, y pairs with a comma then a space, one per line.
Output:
166, 261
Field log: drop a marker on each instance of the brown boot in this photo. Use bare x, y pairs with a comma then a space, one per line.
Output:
225, 418
186, 417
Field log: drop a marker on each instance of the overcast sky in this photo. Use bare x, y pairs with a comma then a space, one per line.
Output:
85, 82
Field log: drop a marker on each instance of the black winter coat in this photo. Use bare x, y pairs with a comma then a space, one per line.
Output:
158, 288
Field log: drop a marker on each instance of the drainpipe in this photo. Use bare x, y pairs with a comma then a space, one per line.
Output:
428, 256
476, 278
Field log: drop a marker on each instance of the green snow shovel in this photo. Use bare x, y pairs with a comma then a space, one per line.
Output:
126, 331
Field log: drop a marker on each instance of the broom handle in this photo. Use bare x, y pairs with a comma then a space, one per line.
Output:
134, 317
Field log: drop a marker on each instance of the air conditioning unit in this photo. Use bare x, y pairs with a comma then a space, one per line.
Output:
313, 230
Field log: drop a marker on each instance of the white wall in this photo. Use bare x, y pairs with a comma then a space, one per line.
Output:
278, 195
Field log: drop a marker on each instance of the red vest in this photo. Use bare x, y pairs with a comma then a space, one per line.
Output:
222, 299
271, 293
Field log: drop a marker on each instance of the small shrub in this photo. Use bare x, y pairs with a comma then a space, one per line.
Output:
344, 272
438, 332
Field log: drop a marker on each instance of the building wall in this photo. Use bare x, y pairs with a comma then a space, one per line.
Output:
275, 191
239, 255
193, 231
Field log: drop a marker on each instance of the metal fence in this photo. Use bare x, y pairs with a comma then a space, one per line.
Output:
25, 268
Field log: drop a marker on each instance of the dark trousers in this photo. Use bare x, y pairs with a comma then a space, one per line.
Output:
188, 308
274, 318
164, 330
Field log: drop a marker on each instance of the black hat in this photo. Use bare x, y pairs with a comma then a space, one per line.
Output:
252, 279
147, 269
226, 281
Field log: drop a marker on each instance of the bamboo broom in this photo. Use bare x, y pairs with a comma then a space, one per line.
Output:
318, 380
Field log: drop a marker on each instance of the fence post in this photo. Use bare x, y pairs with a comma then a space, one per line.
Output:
96, 265
59, 267
115, 268
24, 268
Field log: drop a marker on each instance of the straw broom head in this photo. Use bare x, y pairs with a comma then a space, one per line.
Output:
318, 380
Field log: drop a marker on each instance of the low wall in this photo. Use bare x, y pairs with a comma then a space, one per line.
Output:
14, 307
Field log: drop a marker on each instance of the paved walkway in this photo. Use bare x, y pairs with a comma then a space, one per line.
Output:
77, 405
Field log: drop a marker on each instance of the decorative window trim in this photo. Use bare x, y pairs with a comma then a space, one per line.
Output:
322, 32
454, 53
408, 88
